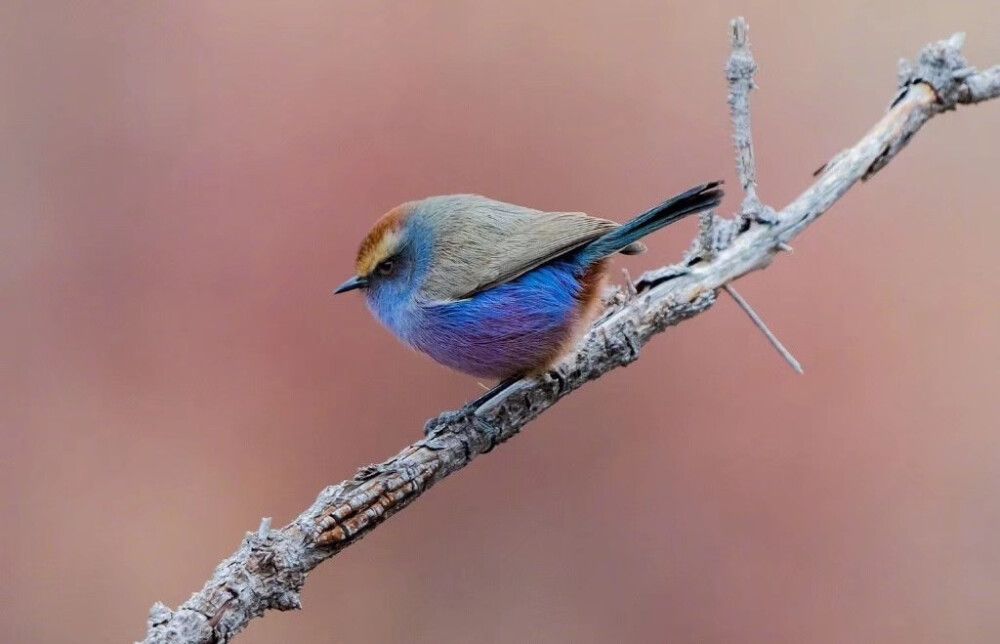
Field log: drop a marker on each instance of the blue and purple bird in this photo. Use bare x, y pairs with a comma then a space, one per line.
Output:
497, 290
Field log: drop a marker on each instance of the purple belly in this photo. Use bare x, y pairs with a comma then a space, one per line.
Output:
513, 328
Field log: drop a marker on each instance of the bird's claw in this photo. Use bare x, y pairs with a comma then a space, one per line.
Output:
491, 432
448, 418
445, 421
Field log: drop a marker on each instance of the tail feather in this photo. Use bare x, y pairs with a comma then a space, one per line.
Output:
625, 238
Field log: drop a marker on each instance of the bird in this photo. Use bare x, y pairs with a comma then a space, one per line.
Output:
496, 290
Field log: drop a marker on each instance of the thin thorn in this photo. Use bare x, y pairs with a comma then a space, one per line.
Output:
265, 528
785, 247
743, 304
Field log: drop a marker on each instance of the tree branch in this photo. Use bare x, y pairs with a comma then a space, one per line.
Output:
269, 568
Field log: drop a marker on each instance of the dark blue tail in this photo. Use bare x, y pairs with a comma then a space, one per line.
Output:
695, 200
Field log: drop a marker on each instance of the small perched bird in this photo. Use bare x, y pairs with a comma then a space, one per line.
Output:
493, 289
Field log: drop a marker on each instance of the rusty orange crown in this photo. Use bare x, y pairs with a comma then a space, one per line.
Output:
382, 240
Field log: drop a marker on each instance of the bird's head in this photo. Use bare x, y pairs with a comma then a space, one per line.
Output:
389, 261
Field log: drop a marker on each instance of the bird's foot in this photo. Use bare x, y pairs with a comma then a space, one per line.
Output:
467, 414
449, 419
469, 409
491, 432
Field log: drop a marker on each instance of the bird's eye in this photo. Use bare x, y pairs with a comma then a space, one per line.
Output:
386, 267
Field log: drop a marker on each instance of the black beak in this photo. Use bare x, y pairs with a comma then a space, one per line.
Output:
358, 281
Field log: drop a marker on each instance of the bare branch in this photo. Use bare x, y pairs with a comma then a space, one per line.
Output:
269, 568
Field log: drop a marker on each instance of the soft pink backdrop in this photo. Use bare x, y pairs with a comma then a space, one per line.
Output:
182, 183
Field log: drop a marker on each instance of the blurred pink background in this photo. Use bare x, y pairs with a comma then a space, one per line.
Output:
181, 185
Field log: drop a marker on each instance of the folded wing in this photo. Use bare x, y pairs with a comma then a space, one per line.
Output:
482, 243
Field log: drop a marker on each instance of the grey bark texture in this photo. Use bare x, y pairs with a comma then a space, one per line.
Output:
269, 568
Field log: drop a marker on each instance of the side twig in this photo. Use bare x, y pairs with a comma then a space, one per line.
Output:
269, 568
740, 71
759, 323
